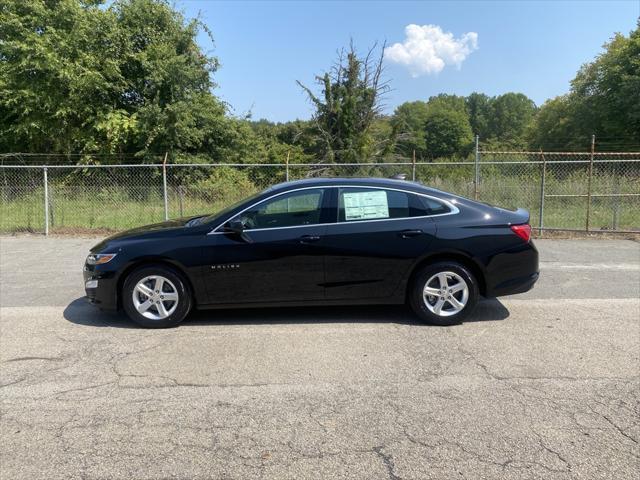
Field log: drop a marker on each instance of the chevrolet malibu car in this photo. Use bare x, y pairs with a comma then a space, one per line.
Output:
319, 242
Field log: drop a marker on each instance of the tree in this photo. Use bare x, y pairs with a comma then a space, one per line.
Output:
438, 127
447, 133
58, 73
408, 122
349, 103
168, 79
383, 134
420, 127
479, 108
607, 90
130, 78
604, 100
511, 116
553, 121
445, 101
281, 141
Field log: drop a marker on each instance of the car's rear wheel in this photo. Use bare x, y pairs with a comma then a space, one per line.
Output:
443, 293
156, 297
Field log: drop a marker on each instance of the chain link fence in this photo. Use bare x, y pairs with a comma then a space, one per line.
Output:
564, 191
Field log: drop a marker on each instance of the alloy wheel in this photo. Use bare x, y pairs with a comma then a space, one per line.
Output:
155, 297
445, 294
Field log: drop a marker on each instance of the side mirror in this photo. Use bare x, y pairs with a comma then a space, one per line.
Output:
236, 227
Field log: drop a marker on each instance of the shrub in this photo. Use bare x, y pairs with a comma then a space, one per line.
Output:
224, 185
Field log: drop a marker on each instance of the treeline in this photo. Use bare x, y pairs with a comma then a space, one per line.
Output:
443, 126
128, 80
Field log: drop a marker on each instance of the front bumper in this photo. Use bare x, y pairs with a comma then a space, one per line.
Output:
101, 287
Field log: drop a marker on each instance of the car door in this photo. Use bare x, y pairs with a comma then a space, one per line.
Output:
378, 236
277, 258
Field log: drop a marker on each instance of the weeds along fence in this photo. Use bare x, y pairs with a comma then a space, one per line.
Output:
562, 191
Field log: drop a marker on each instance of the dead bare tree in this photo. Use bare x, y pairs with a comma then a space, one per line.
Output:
351, 98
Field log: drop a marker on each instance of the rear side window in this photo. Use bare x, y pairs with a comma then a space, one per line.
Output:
434, 207
358, 204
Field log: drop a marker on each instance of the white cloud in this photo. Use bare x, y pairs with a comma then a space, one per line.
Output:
427, 49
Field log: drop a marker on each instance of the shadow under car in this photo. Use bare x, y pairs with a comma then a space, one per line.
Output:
81, 312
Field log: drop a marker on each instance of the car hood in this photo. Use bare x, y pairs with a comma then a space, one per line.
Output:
145, 231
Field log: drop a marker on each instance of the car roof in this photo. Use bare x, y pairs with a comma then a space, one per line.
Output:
351, 181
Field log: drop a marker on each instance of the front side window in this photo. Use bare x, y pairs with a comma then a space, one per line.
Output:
288, 210
358, 204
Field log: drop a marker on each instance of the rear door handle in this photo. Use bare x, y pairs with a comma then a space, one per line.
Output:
309, 238
409, 233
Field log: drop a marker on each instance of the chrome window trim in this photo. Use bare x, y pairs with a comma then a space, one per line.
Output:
453, 209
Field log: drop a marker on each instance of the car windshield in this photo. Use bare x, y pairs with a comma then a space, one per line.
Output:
224, 211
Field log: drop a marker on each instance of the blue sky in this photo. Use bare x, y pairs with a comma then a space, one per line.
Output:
529, 47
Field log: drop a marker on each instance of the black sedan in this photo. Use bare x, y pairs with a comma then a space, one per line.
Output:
319, 242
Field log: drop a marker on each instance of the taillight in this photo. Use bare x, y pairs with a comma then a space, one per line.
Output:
523, 231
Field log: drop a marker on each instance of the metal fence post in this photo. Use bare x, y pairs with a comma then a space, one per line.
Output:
476, 180
287, 168
164, 188
542, 185
593, 148
413, 167
46, 202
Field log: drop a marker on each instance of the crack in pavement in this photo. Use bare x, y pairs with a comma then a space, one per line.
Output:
387, 461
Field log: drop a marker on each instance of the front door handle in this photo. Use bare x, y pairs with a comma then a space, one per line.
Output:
309, 238
409, 233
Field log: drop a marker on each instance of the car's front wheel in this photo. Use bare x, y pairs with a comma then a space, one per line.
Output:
156, 297
444, 293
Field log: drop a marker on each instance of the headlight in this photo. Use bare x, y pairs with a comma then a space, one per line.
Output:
100, 258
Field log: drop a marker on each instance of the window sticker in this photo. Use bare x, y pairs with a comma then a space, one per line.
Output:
365, 205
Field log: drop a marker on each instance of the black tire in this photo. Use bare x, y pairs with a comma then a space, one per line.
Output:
184, 301
419, 303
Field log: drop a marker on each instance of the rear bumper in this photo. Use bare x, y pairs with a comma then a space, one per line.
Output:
513, 271
516, 285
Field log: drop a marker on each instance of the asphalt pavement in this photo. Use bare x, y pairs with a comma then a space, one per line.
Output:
540, 385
